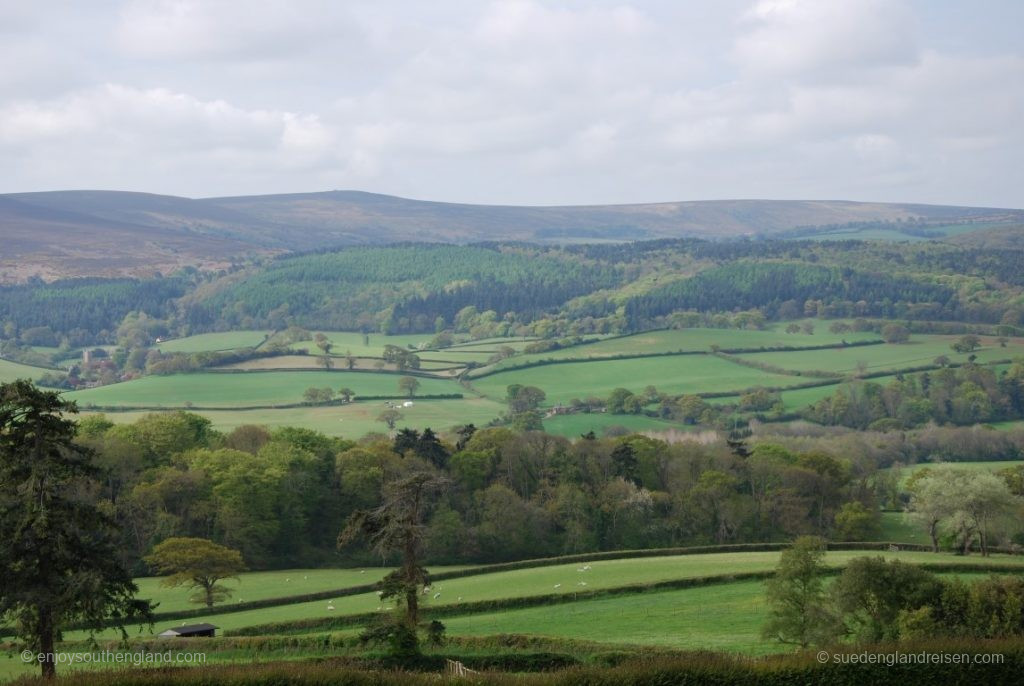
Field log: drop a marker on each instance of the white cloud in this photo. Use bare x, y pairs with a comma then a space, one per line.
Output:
516, 101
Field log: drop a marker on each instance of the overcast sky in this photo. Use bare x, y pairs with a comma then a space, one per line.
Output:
518, 101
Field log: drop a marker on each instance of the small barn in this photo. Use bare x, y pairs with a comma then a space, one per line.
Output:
189, 630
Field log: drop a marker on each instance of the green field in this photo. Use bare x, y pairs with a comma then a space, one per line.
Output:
244, 389
12, 371
227, 340
669, 374
252, 586
921, 350
694, 339
575, 425
351, 421
678, 619
353, 341
559, 579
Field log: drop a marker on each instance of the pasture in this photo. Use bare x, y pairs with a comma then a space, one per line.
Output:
670, 374
697, 339
351, 421
563, 579
226, 340
244, 389
12, 371
575, 425
920, 350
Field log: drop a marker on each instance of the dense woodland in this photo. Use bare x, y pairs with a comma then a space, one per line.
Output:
281, 496
522, 289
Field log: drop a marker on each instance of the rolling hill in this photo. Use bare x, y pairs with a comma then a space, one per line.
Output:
78, 233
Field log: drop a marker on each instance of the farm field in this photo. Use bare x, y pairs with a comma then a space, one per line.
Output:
677, 619
920, 350
274, 584
243, 389
698, 339
313, 362
371, 346
351, 421
575, 425
670, 374
12, 371
537, 581
227, 340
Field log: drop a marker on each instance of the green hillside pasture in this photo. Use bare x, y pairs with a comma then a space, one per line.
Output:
243, 389
569, 578
699, 339
351, 421
227, 340
313, 362
352, 341
724, 617
252, 586
12, 371
921, 350
719, 617
575, 425
670, 374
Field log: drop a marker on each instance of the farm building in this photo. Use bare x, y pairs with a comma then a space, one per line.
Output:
189, 630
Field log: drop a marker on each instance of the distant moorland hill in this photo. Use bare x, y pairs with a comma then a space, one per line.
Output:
108, 233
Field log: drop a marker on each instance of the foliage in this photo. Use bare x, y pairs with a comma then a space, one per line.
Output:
197, 563
58, 554
798, 611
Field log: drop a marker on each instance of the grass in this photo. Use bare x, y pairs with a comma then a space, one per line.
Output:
921, 350
542, 580
692, 339
313, 362
252, 586
244, 389
575, 425
227, 340
678, 619
350, 421
12, 371
725, 617
370, 346
682, 374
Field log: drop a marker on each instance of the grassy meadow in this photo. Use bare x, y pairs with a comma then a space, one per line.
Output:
562, 579
244, 389
226, 340
349, 421
672, 374
12, 371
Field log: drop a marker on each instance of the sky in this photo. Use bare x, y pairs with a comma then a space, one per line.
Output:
520, 102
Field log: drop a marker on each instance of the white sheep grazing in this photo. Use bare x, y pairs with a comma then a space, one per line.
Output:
436, 596
558, 585
330, 607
